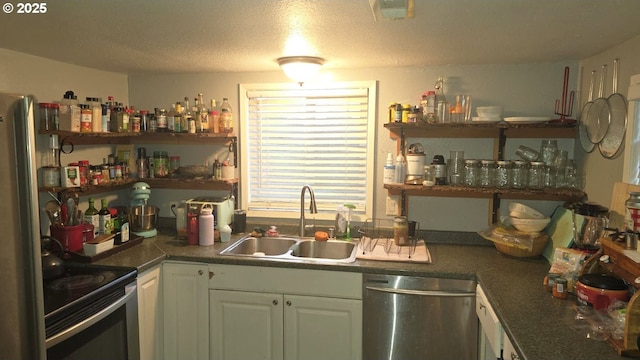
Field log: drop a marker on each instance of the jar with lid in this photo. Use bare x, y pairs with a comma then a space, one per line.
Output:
86, 123
162, 120
503, 174
486, 177
440, 170
550, 281
519, 174
400, 231
160, 163
46, 122
471, 172
548, 151
560, 289
536, 175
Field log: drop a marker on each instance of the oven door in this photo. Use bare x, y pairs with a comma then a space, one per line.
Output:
111, 333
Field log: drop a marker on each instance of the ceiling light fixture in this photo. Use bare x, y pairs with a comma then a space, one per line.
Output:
392, 9
300, 68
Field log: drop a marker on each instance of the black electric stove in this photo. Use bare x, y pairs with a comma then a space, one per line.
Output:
82, 291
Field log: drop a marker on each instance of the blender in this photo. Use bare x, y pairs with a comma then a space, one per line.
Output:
142, 216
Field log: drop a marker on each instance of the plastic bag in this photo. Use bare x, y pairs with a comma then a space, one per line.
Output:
507, 235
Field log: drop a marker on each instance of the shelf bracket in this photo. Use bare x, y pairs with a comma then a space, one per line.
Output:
403, 203
495, 208
502, 140
233, 148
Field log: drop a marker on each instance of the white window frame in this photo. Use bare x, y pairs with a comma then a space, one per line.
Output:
243, 136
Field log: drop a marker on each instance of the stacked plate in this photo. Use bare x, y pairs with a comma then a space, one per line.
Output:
488, 114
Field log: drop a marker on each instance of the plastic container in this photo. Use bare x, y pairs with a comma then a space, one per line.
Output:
225, 234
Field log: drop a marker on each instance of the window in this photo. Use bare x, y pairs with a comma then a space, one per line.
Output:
293, 136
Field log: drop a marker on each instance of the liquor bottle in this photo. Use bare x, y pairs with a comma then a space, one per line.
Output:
204, 115
187, 116
214, 118
177, 127
226, 116
171, 121
91, 217
104, 219
195, 110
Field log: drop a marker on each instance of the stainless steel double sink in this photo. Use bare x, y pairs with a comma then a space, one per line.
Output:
293, 249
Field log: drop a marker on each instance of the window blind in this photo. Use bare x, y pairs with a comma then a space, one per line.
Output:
318, 137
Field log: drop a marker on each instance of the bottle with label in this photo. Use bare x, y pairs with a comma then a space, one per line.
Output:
91, 216
86, 120
632, 212
177, 118
204, 115
400, 171
96, 114
226, 116
188, 123
217, 169
389, 170
214, 118
104, 219
124, 227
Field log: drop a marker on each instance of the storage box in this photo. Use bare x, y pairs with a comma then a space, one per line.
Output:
69, 118
70, 176
91, 249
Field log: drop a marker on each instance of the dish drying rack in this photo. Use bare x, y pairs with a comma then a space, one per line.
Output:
379, 232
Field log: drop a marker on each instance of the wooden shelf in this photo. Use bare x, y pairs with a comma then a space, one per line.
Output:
486, 193
484, 130
140, 138
155, 183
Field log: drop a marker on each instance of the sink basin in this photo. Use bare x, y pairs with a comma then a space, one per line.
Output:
293, 249
261, 246
323, 249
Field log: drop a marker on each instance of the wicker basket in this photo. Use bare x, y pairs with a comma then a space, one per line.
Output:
538, 247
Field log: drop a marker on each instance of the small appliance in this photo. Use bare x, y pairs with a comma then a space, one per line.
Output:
222, 208
142, 216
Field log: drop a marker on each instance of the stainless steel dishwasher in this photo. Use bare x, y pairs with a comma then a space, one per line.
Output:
407, 317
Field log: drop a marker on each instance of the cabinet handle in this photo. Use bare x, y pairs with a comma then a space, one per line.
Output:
288, 302
482, 306
275, 302
200, 272
514, 356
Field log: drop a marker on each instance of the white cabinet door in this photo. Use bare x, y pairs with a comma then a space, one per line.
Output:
186, 308
150, 314
509, 353
322, 328
489, 323
245, 325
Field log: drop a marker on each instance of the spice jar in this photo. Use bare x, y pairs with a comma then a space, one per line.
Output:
519, 174
549, 281
400, 230
560, 290
486, 173
536, 175
471, 170
503, 174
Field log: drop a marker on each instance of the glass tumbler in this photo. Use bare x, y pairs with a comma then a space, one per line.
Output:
456, 168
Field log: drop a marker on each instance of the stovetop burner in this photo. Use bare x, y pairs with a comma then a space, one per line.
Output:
76, 282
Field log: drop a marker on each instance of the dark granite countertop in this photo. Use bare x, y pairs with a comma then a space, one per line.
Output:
539, 326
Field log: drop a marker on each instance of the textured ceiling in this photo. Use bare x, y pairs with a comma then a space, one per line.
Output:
162, 36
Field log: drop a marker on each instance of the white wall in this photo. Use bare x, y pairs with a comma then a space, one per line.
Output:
48, 80
523, 90
602, 173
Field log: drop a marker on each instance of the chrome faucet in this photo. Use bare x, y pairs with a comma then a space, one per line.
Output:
312, 207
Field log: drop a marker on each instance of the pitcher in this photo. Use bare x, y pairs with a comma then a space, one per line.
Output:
590, 221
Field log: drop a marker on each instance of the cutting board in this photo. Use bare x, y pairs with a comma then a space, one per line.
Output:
560, 231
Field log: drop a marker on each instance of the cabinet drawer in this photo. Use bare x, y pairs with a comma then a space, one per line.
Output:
338, 284
489, 321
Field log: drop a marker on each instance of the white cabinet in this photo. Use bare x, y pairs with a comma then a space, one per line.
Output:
491, 336
509, 353
278, 313
150, 314
186, 310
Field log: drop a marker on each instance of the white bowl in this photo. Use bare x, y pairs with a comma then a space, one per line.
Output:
522, 211
529, 225
489, 111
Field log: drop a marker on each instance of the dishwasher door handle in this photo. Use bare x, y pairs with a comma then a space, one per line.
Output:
431, 293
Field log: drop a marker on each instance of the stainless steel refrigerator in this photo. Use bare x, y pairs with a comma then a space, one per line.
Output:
21, 297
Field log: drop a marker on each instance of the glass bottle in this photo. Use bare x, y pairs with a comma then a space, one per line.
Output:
91, 216
487, 173
442, 106
214, 118
217, 169
162, 121
177, 117
188, 122
104, 219
204, 115
226, 115
171, 120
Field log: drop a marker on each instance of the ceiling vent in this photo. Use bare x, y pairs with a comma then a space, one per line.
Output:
392, 9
